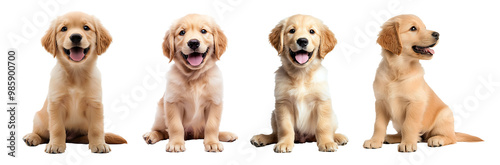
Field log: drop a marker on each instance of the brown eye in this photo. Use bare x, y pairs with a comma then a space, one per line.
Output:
63, 29
182, 33
292, 31
312, 31
413, 28
86, 27
203, 31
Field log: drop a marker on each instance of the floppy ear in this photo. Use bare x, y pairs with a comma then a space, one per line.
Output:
49, 39
168, 45
220, 42
276, 36
389, 39
103, 37
328, 42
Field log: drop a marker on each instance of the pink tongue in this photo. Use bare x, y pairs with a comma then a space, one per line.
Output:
195, 59
76, 54
302, 58
429, 50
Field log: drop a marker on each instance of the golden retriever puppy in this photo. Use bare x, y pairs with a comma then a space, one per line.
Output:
192, 104
73, 110
402, 94
303, 110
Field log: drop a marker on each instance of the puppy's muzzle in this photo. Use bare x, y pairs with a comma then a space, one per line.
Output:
76, 53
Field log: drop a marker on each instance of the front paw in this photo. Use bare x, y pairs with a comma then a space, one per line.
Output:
213, 147
99, 148
175, 146
372, 144
53, 148
407, 147
283, 147
328, 147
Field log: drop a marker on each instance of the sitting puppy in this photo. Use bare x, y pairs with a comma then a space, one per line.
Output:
303, 106
73, 110
402, 94
192, 104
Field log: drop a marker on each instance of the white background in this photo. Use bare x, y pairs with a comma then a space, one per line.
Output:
467, 52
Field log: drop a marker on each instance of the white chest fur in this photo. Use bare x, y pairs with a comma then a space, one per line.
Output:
194, 96
305, 96
75, 109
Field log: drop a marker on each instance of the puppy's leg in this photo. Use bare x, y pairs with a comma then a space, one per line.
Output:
57, 130
158, 131
175, 129
211, 137
380, 128
325, 128
396, 138
284, 122
262, 139
411, 126
392, 138
40, 132
95, 117
444, 131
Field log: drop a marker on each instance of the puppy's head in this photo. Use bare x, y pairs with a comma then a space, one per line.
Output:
76, 37
194, 41
407, 35
302, 39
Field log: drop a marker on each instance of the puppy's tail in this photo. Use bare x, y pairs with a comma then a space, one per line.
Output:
109, 138
112, 138
462, 137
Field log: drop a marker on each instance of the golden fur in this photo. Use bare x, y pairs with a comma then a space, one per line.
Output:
402, 94
192, 104
303, 110
73, 110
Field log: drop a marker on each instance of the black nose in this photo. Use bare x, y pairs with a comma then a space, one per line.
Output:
193, 44
435, 35
302, 42
75, 38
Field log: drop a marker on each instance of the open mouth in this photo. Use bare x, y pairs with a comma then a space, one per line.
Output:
76, 54
195, 58
301, 57
424, 50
